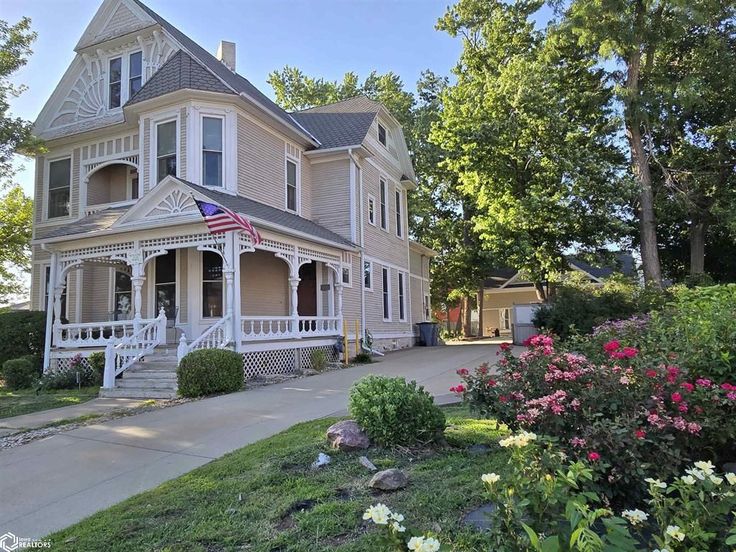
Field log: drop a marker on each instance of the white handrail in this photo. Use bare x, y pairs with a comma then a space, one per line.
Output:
214, 337
264, 328
92, 334
131, 349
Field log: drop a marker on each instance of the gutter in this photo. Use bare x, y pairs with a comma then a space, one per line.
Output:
362, 240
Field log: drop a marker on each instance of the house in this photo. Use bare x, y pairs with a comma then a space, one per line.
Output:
506, 287
143, 123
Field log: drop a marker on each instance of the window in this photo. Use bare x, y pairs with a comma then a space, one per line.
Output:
132, 183
384, 200
46, 294
399, 225
60, 173
291, 186
368, 275
386, 293
211, 285
427, 314
345, 275
212, 151
116, 76
505, 319
122, 296
135, 73
165, 284
372, 210
166, 149
402, 297
382, 134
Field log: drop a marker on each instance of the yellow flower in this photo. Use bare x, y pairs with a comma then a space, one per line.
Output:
716, 480
674, 532
378, 514
656, 483
520, 440
731, 478
423, 544
490, 478
688, 479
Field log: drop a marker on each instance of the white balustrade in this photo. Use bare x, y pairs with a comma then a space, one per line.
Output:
318, 326
94, 334
214, 337
269, 328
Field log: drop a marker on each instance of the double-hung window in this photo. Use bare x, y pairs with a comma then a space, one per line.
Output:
382, 135
386, 286
372, 210
135, 73
211, 285
383, 206
399, 223
368, 275
115, 80
60, 173
291, 186
212, 151
165, 150
402, 297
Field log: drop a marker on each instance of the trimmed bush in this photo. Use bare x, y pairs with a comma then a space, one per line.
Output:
19, 373
21, 333
393, 411
210, 371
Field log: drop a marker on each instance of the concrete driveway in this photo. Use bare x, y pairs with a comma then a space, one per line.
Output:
49, 484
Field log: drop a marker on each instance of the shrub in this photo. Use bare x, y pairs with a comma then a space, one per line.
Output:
210, 371
97, 364
21, 333
19, 373
641, 418
362, 358
66, 378
319, 360
394, 412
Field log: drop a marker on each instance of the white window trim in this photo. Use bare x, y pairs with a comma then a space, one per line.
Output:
158, 119
398, 192
350, 275
124, 77
195, 115
427, 308
127, 73
129, 184
291, 158
379, 126
401, 278
370, 271
387, 292
111, 303
372, 201
502, 319
202, 281
383, 199
46, 190
204, 116
44, 277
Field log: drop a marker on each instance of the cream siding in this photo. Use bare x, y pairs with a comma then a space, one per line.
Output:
331, 197
95, 305
261, 164
145, 156
264, 287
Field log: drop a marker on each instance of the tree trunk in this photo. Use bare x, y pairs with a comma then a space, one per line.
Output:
541, 292
481, 333
459, 323
467, 330
447, 319
697, 247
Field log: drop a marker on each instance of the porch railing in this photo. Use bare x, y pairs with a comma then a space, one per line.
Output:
215, 337
265, 328
94, 334
121, 356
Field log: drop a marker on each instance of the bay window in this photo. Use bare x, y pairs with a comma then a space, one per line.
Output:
212, 151
165, 150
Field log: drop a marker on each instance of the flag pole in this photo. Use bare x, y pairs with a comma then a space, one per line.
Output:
226, 264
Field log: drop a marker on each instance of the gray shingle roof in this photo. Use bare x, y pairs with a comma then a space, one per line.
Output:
101, 220
335, 130
180, 71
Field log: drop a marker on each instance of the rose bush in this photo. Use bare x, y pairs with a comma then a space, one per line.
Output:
628, 417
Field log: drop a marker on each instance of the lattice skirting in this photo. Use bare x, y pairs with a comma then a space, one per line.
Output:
286, 361
57, 364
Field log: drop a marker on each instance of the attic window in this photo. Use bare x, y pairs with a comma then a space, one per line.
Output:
116, 75
135, 73
382, 134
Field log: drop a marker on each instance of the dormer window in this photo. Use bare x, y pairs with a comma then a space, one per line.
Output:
116, 76
135, 73
212, 151
382, 137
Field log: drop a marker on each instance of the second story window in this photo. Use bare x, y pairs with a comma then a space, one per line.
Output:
291, 185
135, 73
165, 150
372, 210
60, 173
399, 224
212, 151
116, 76
384, 207
382, 136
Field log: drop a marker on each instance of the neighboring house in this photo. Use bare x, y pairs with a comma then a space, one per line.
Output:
143, 122
505, 288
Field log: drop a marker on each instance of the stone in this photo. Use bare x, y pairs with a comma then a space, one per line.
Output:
389, 480
322, 460
367, 463
477, 450
347, 435
729, 467
480, 517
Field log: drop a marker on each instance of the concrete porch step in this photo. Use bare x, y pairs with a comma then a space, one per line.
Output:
148, 383
149, 374
137, 393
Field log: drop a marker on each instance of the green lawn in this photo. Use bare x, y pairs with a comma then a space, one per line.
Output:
264, 497
25, 401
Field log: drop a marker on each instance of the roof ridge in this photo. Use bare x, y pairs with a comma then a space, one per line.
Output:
351, 99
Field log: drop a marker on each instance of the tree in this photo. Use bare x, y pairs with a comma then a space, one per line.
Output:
528, 131
16, 210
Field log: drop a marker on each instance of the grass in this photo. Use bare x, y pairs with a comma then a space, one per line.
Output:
265, 498
26, 401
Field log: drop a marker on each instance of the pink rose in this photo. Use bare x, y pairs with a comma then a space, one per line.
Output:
594, 456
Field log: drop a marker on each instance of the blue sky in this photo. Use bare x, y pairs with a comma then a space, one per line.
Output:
322, 37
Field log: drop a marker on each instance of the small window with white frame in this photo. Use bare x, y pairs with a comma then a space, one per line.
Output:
399, 221
383, 190
47, 290
345, 276
166, 158
386, 293
382, 135
402, 296
292, 179
115, 86
505, 319
59, 188
135, 73
212, 129
371, 210
427, 313
368, 275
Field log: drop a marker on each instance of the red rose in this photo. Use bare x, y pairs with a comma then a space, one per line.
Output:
491, 383
503, 398
505, 346
611, 346
459, 388
594, 456
651, 373
640, 433
676, 397
462, 372
630, 352
688, 387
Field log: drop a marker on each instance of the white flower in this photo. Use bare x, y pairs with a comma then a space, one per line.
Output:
688, 479
716, 480
378, 514
520, 440
423, 544
731, 478
635, 517
398, 527
674, 532
490, 478
660, 550
697, 473
705, 467
656, 483
397, 517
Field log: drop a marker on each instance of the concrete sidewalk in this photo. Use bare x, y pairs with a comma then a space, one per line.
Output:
49, 484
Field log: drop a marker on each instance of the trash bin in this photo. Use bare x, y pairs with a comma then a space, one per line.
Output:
428, 333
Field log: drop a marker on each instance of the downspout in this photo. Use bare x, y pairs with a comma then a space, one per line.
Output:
49, 308
362, 242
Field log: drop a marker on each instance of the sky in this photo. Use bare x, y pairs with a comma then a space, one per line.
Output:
324, 38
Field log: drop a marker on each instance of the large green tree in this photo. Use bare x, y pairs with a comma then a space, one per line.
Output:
528, 131
16, 210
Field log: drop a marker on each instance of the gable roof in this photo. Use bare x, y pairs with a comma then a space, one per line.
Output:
180, 71
340, 124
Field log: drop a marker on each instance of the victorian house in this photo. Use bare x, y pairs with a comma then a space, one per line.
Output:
145, 121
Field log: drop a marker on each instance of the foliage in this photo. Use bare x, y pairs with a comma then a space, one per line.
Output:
21, 333
362, 358
394, 534
639, 418
209, 371
19, 373
319, 360
393, 411
78, 374
26, 401
16, 218
97, 362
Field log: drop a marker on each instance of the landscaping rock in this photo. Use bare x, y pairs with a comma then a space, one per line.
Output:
477, 450
322, 460
389, 480
367, 463
347, 435
480, 517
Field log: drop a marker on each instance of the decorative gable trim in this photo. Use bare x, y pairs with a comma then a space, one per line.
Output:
114, 18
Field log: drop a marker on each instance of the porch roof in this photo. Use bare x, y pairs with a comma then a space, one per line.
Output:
105, 219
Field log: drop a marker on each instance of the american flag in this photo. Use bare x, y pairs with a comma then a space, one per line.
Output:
221, 219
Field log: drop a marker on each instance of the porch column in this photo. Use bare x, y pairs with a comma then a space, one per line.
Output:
58, 292
50, 285
137, 280
338, 291
294, 283
331, 295
231, 259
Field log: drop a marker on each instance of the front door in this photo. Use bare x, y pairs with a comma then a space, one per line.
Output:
307, 290
165, 285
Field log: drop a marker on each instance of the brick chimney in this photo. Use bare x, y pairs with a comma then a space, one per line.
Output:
226, 54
